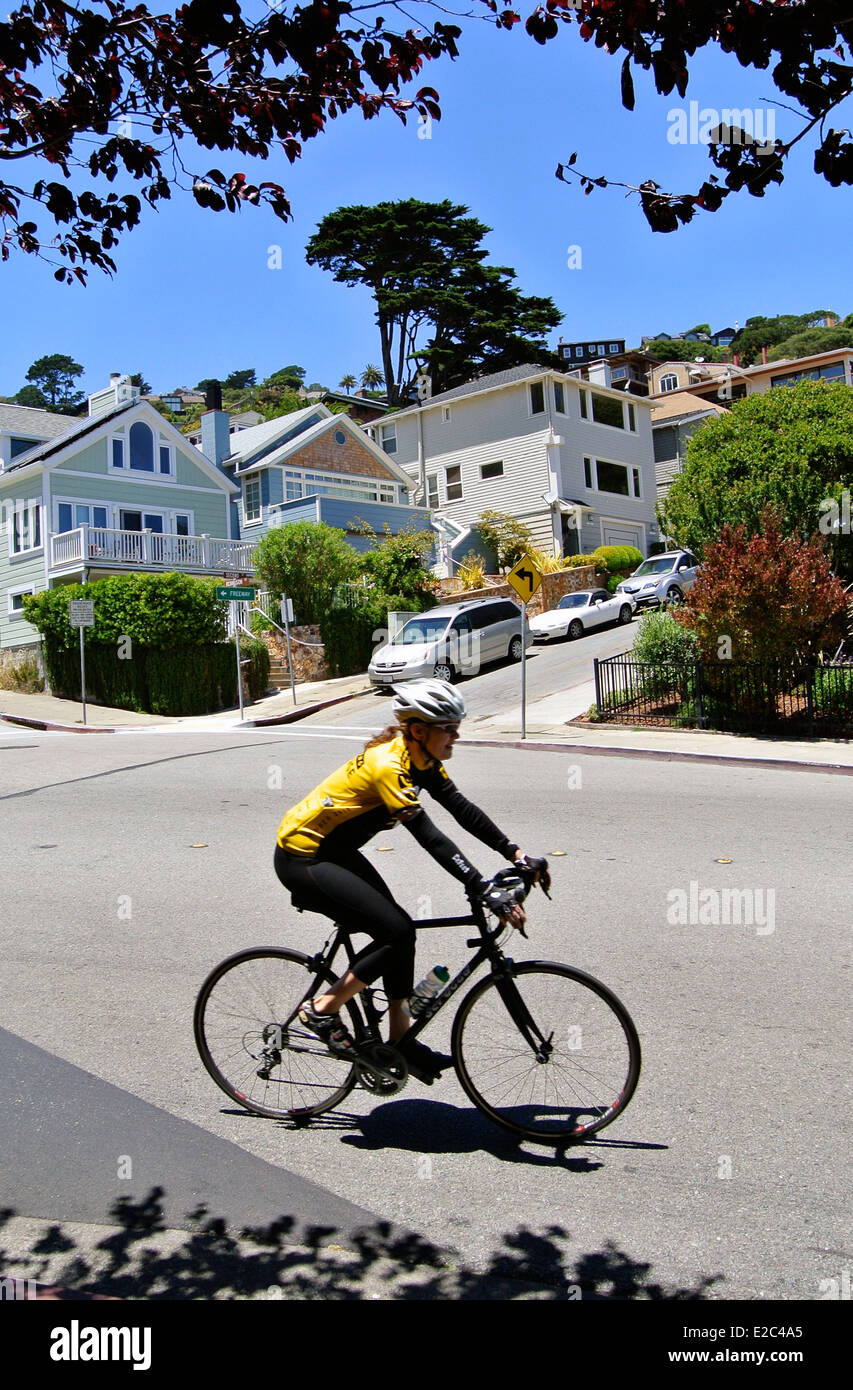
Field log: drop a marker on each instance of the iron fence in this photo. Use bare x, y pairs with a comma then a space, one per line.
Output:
740, 697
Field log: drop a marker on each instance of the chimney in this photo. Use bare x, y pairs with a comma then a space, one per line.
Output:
600, 373
215, 426
736, 358
764, 356
114, 377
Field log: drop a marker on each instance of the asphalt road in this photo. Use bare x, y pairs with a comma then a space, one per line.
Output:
134, 862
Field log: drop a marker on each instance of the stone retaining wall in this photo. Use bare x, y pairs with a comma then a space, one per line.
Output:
550, 591
309, 663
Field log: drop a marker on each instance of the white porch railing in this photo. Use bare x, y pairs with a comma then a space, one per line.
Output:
102, 545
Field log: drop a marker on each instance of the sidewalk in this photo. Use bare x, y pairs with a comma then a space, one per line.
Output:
48, 712
548, 726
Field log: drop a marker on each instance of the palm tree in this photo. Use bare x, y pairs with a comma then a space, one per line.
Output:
348, 382
372, 377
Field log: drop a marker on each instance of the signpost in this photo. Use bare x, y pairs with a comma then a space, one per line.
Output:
525, 579
287, 619
237, 593
81, 613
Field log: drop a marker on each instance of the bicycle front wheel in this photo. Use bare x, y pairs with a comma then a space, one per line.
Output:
246, 1023
546, 1051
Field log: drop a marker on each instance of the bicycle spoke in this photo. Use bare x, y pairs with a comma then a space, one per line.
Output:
581, 1070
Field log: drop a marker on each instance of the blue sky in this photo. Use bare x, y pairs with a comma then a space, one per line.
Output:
195, 296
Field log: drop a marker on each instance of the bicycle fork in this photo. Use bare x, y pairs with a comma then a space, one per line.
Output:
540, 1046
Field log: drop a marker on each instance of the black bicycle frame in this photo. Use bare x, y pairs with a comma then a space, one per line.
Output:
488, 951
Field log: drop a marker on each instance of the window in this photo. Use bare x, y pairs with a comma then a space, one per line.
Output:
252, 500
304, 484
445, 414
166, 459
612, 477
601, 349
15, 601
453, 483
491, 470
559, 398
389, 438
537, 398
835, 371
70, 515
117, 453
21, 446
669, 382
584, 405
632, 416
636, 475
432, 489
614, 347
141, 448
587, 472
618, 373
579, 350
607, 411
340, 437
25, 528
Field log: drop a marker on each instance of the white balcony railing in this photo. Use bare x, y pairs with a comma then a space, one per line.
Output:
96, 546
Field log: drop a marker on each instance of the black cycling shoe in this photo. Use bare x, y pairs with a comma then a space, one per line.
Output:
422, 1062
329, 1029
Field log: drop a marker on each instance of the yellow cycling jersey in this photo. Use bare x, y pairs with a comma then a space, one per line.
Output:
379, 780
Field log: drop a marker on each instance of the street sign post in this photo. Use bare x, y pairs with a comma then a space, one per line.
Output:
287, 619
81, 614
237, 593
525, 578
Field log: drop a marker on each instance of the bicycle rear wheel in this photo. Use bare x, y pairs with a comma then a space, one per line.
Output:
546, 1051
246, 1019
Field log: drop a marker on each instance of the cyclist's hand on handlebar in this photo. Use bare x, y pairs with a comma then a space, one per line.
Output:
538, 868
503, 902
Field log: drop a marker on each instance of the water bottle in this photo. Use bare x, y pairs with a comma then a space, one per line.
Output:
429, 987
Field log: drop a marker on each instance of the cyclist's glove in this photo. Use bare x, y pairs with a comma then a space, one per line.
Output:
540, 868
501, 901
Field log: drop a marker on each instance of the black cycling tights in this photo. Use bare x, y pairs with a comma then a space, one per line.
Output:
350, 891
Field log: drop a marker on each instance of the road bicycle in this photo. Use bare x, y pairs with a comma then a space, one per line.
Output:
543, 1049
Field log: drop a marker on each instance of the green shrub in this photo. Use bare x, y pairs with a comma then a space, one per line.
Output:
833, 689
158, 610
348, 632
612, 581
617, 559
189, 679
575, 561
660, 640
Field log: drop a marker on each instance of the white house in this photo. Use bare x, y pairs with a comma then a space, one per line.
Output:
572, 459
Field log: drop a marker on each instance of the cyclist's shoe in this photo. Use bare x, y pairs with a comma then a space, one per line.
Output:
422, 1062
329, 1029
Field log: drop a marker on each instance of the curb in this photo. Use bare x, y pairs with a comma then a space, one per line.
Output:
300, 713
665, 755
48, 727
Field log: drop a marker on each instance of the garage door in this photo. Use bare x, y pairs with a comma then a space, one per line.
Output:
623, 533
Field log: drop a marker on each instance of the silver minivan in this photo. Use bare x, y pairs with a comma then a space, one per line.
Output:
453, 640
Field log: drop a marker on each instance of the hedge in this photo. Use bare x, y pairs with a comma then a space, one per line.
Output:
157, 610
615, 558
348, 632
190, 678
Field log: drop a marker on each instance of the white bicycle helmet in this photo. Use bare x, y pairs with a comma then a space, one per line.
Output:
434, 702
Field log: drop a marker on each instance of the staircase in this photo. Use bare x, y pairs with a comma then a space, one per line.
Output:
279, 674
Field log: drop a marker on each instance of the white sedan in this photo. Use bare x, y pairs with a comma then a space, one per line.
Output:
577, 613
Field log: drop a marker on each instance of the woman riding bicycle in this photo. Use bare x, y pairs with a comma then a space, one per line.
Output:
317, 858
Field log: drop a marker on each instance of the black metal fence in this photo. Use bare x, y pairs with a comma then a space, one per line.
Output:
741, 697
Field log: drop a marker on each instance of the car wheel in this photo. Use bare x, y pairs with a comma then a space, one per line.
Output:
575, 629
674, 597
625, 613
443, 671
515, 649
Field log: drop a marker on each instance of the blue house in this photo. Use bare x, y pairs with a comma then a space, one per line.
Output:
311, 466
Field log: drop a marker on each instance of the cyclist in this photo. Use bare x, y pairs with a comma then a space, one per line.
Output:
317, 858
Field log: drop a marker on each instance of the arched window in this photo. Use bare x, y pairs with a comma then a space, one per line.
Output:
669, 382
141, 448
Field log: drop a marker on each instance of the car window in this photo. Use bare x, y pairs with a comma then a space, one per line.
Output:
507, 610
462, 623
661, 564
602, 594
422, 630
482, 617
573, 601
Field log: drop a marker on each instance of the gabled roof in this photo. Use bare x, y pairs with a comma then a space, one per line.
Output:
247, 443
44, 424
331, 422
484, 383
46, 454
677, 403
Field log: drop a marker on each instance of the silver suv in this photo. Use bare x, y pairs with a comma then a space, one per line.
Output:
449, 641
661, 579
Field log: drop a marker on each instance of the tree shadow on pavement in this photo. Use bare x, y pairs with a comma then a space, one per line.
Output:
138, 1258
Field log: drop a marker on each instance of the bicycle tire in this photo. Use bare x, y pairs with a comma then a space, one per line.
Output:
261, 989
592, 1069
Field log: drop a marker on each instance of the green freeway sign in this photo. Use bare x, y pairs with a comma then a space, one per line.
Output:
236, 595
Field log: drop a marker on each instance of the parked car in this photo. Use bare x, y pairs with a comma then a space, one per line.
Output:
661, 579
449, 641
577, 613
